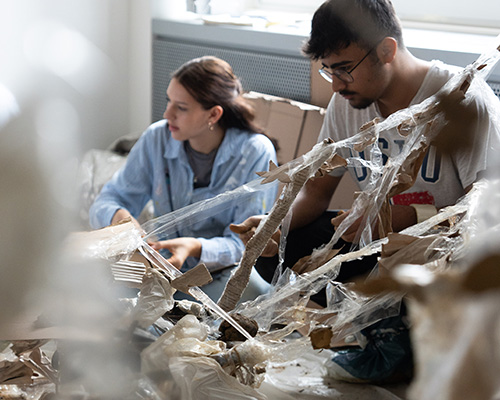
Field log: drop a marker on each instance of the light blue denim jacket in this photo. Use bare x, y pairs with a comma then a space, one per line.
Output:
157, 168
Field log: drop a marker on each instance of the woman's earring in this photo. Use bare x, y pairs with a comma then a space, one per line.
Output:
210, 126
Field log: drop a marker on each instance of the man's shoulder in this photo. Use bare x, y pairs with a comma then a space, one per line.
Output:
439, 69
438, 74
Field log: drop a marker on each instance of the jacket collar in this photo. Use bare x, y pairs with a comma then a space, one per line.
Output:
229, 146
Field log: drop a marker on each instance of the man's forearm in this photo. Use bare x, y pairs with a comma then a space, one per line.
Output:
313, 200
305, 211
403, 217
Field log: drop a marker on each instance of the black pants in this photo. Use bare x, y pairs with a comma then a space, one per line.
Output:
301, 242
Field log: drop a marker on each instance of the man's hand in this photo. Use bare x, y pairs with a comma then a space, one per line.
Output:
180, 248
247, 229
350, 234
402, 217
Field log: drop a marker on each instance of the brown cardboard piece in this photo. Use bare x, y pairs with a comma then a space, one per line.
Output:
313, 120
197, 276
405, 249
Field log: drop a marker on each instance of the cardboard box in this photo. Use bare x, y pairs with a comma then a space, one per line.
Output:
295, 126
321, 90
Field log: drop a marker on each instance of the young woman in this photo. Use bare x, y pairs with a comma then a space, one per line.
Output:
206, 145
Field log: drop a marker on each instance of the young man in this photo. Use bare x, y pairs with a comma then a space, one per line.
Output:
372, 74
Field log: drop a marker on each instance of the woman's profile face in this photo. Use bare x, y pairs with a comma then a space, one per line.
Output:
187, 119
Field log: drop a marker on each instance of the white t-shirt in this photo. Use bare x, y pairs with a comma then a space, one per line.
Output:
442, 178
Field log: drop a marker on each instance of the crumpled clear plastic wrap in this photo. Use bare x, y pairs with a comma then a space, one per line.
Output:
112, 243
306, 377
454, 311
186, 353
154, 300
414, 122
187, 330
203, 378
26, 370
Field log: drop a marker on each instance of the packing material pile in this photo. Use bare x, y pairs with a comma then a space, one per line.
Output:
113, 330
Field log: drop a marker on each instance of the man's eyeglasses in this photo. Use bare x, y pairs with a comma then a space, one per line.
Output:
342, 74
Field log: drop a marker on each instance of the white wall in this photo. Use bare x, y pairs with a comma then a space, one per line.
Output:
126, 36
140, 57
93, 53
67, 72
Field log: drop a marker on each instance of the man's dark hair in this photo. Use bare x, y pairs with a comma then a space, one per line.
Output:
338, 23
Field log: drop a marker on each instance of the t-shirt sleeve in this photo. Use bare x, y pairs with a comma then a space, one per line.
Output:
484, 144
328, 131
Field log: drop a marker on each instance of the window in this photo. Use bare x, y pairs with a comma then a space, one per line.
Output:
479, 13
290, 5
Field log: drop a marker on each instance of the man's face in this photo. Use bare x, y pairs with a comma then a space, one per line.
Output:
368, 77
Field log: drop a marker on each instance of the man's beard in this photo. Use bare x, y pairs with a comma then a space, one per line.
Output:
364, 103
359, 104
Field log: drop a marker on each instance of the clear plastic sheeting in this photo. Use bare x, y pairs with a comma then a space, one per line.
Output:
154, 300
203, 378
25, 369
112, 243
461, 360
454, 311
481, 233
186, 352
187, 338
348, 311
166, 225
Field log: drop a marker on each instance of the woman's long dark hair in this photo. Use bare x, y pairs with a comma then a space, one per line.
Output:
211, 81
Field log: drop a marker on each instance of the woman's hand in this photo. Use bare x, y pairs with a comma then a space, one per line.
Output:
180, 248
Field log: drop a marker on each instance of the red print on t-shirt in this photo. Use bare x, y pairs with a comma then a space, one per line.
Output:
405, 199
